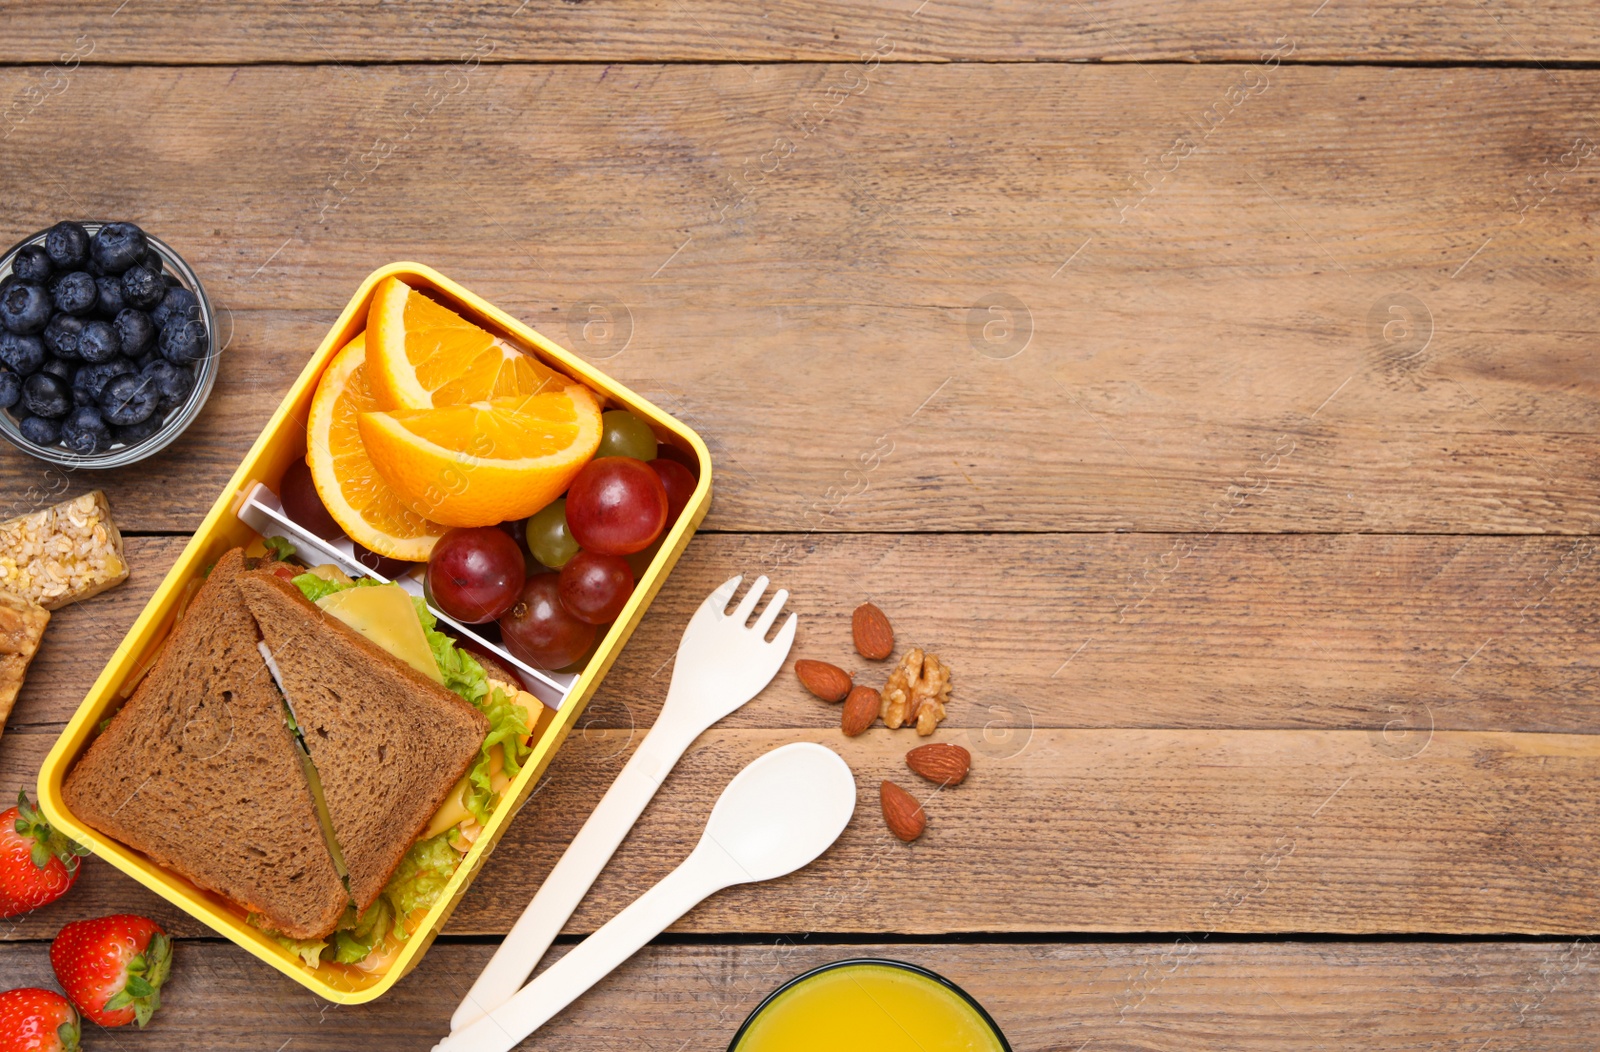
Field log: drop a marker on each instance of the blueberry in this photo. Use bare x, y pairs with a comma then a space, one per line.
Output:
182, 341
138, 432
46, 395
89, 382
61, 370
67, 244
76, 293
39, 430
173, 383
136, 331
62, 334
32, 263
170, 281
142, 288
178, 302
110, 300
99, 342
85, 431
10, 388
25, 308
129, 399
118, 246
148, 358
24, 354
151, 260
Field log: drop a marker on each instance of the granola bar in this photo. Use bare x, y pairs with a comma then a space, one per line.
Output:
21, 627
63, 553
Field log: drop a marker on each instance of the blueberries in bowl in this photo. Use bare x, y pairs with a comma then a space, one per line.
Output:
25, 308
46, 395
118, 246
85, 431
182, 342
129, 399
32, 264
136, 331
62, 334
76, 293
22, 354
67, 245
100, 343
41, 431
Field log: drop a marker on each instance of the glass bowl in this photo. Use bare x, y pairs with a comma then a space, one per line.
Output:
178, 418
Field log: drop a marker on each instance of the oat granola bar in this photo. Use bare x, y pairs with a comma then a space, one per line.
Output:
63, 553
21, 627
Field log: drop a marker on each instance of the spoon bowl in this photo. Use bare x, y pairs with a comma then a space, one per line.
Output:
783, 810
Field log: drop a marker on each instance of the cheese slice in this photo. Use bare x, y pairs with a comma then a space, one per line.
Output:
384, 614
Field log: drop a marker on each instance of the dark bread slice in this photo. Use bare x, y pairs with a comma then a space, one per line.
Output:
200, 772
388, 742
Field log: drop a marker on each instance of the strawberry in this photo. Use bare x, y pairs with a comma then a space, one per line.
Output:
37, 864
113, 967
33, 1020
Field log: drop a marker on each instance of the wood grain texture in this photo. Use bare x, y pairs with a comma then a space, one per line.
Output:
824, 323
726, 31
1231, 631
1047, 997
1099, 830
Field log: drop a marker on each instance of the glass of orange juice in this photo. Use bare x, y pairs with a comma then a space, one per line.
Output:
869, 1005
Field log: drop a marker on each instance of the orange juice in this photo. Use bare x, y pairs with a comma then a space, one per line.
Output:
869, 1006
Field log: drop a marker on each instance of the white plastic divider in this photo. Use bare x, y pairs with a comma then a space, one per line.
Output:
261, 510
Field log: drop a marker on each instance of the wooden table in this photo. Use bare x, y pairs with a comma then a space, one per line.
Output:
1214, 385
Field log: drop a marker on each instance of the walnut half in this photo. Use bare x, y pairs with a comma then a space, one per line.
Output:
916, 692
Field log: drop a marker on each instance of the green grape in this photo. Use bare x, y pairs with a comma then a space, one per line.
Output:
624, 435
548, 537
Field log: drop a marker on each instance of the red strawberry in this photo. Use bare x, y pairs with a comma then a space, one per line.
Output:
33, 1020
113, 967
37, 864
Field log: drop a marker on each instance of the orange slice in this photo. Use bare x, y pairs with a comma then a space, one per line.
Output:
346, 480
422, 354
487, 462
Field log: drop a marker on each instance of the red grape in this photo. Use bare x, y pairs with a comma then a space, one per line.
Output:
538, 629
305, 509
475, 573
679, 483
594, 587
616, 506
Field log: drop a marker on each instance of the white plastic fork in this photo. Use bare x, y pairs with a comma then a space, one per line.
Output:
720, 666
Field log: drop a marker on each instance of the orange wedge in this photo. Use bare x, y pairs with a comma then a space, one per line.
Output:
346, 480
422, 354
488, 461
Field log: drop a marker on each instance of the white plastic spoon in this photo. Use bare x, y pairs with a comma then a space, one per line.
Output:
778, 814
720, 666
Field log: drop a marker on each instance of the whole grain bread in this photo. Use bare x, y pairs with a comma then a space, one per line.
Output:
200, 772
388, 742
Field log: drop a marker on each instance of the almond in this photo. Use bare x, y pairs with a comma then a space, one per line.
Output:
828, 682
901, 811
939, 762
860, 711
873, 634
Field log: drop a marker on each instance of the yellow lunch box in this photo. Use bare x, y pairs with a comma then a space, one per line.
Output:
281, 443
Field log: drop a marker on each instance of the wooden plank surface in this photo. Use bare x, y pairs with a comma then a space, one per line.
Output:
1233, 631
1100, 830
1200, 995
1372, 313
726, 31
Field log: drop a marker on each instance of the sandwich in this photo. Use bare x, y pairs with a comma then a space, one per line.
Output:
403, 742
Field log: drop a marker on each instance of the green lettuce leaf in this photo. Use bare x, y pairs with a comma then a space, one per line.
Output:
357, 935
308, 950
313, 587
508, 726
279, 548
460, 669
421, 877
